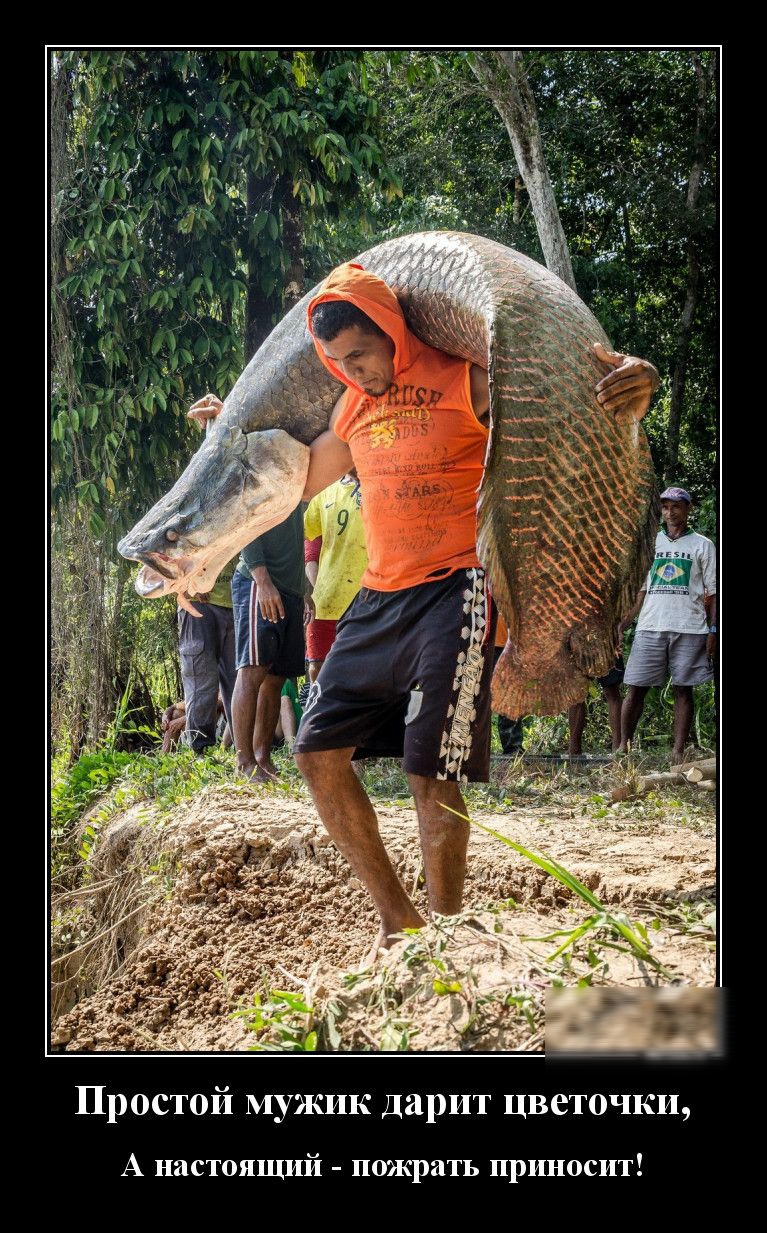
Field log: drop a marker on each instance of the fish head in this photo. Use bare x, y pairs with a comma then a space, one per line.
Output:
237, 486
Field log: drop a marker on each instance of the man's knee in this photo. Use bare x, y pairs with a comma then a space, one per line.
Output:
273, 684
249, 678
321, 766
635, 693
427, 791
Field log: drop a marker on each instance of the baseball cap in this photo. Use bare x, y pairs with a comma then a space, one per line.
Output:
676, 494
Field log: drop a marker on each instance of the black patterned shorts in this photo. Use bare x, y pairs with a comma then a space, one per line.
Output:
408, 676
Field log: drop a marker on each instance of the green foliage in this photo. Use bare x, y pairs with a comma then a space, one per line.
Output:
182, 167
283, 1021
619, 133
124, 779
77, 787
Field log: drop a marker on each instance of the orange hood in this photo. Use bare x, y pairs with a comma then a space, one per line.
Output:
372, 296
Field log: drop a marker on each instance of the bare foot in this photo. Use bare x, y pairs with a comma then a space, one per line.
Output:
248, 770
264, 774
384, 941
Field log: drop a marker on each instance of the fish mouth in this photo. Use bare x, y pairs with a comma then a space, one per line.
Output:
173, 568
155, 580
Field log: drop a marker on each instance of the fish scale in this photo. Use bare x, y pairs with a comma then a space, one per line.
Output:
567, 507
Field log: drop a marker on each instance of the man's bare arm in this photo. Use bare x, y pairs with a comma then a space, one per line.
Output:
629, 387
480, 393
633, 614
329, 459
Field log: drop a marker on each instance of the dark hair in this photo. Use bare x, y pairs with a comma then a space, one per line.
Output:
332, 316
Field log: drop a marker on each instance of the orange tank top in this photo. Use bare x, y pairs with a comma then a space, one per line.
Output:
419, 451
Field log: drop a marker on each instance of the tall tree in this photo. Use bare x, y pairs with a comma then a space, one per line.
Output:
704, 144
502, 74
619, 133
185, 186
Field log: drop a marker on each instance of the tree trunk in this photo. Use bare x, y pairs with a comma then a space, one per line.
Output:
628, 251
504, 79
684, 329
259, 307
293, 242
262, 309
516, 210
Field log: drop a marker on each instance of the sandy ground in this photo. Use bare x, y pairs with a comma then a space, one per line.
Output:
244, 893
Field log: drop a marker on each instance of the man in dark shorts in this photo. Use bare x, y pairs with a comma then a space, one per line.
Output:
267, 593
409, 672
268, 589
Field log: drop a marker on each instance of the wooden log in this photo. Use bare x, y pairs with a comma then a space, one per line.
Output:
659, 777
706, 770
704, 763
708, 785
647, 783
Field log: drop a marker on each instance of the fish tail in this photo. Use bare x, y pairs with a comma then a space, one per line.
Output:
547, 688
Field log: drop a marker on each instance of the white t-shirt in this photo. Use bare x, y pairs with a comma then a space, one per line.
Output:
683, 571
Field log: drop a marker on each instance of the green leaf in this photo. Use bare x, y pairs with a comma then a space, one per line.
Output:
160, 398
443, 987
74, 419
178, 138
157, 341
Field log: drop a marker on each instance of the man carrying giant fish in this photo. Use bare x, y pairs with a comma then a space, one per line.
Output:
409, 673
410, 670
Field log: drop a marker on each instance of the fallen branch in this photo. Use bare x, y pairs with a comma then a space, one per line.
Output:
706, 765
697, 773
647, 783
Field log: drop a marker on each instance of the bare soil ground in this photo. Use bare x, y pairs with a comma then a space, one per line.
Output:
240, 891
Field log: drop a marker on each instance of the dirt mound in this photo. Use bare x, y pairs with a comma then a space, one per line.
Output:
247, 893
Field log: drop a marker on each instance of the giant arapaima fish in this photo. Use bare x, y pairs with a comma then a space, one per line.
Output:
566, 510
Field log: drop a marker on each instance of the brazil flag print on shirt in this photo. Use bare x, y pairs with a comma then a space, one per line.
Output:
670, 574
